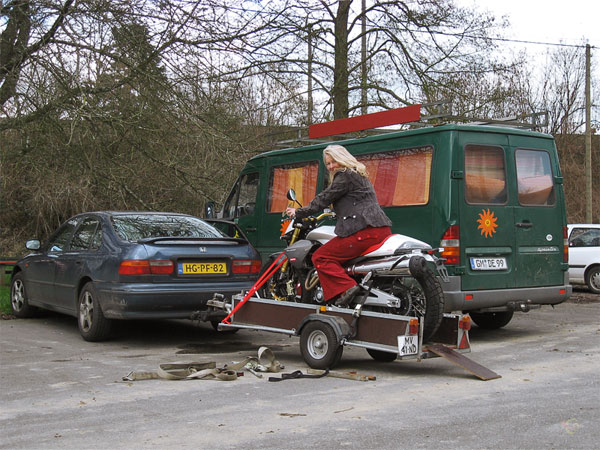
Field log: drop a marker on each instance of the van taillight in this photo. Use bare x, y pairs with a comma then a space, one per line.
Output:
451, 244
146, 267
565, 245
246, 266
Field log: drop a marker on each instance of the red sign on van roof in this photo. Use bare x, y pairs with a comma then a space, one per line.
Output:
374, 120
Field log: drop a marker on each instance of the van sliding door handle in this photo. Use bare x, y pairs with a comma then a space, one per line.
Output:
524, 224
250, 229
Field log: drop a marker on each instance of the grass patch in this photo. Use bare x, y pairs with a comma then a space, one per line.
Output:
5, 293
5, 300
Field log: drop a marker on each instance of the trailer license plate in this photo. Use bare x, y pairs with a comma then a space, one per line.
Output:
197, 268
488, 264
408, 345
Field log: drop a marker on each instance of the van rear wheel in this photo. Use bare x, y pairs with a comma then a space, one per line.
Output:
491, 320
381, 356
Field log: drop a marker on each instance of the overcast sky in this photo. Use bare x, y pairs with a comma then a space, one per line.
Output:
553, 21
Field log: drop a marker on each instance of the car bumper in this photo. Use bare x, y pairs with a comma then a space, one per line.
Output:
502, 299
169, 301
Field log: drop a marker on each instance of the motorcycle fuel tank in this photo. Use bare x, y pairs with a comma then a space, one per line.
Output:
322, 234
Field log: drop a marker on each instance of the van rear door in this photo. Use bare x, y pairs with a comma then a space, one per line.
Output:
511, 213
487, 233
539, 212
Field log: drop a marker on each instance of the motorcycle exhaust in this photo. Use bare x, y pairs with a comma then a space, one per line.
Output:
392, 266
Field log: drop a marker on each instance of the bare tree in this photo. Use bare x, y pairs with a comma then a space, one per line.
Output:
410, 45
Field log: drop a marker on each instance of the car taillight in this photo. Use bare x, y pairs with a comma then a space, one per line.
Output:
565, 245
145, 267
246, 266
161, 267
451, 244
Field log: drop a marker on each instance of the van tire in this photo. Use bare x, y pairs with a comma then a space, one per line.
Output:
491, 320
381, 356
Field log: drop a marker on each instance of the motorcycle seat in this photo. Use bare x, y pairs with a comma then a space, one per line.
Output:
374, 247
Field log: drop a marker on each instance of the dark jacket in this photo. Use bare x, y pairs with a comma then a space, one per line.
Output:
354, 202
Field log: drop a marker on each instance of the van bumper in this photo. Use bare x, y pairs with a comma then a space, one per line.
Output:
518, 299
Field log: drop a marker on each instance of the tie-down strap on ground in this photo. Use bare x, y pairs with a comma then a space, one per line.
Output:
265, 362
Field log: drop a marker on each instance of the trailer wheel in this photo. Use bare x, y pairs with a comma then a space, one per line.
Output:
491, 320
381, 356
319, 345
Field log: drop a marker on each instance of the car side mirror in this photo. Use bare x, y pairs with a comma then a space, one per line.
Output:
33, 244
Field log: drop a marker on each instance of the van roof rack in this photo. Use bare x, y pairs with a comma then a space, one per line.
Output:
408, 117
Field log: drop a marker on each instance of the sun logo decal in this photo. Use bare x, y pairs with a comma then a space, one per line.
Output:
487, 223
284, 226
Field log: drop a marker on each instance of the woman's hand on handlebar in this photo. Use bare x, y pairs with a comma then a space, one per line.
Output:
290, 212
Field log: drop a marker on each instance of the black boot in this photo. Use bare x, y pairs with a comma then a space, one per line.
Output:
347, 297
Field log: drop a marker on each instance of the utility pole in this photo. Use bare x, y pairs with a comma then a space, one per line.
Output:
310, 81
588, 139
363, 75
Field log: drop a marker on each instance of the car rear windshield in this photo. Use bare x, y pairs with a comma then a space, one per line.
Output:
144, 226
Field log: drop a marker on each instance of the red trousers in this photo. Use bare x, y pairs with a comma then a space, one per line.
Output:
329, 258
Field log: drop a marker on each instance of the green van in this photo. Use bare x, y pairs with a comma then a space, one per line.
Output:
490, 196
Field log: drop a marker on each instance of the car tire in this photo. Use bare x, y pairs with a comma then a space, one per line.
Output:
592, 279
491, 320
93, 326
19, 301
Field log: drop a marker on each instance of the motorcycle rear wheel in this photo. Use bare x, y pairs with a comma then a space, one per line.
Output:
434, 296
421, 296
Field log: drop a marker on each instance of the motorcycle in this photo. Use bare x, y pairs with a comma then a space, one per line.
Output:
397, 277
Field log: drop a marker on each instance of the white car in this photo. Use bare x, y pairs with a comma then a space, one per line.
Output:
584, 255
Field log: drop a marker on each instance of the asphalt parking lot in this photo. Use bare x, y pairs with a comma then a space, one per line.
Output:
62, 392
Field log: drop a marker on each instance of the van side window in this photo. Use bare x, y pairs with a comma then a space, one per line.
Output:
400, 177
242, 200
485, 174
300, 177
534, 177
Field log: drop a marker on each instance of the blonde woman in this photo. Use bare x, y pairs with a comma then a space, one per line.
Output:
361, 222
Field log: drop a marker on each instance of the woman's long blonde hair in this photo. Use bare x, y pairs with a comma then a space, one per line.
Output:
343, 157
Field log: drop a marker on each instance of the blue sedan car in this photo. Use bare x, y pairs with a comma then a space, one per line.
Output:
101, 266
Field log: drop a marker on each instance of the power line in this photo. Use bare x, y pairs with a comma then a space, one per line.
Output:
505, 39
442, 33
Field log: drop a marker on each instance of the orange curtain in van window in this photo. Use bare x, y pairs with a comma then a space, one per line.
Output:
302, 179
400, 178
414, 172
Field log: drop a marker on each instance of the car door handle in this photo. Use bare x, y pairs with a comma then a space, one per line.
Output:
524, 224
250, 229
